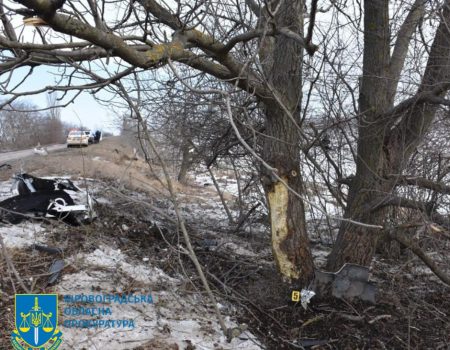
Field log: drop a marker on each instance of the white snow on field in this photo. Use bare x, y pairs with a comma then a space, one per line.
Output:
22, 235
176, 316
107, 257
238, 249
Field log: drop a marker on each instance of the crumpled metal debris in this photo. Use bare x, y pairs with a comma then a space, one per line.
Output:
40, 198
25, 183
350, 282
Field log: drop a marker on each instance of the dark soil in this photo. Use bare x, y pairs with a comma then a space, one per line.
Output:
408, 314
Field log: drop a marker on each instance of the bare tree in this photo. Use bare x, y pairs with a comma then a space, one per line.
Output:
258, 49
389, 133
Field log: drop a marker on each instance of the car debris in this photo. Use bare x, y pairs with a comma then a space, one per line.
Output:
55, 271
306, 296
42, 151
350, 282
46, 249
25, 184
45, 198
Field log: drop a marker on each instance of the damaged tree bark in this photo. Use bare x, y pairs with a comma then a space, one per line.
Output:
282, 63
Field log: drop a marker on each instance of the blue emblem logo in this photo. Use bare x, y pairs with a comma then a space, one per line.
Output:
36, 322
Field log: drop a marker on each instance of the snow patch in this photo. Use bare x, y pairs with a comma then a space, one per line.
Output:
110, 258
22, 235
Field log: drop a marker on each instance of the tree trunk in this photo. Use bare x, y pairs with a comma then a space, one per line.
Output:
354, 243
386, 141
290, 243
282, 63
186, 161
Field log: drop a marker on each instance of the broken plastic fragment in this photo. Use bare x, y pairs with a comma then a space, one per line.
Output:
306, 296
41, 151
46, 249
55, 271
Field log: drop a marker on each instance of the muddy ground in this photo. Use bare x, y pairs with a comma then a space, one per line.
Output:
135, 218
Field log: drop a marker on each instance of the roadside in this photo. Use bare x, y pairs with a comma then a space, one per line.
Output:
123, 252
14, 155
134, 247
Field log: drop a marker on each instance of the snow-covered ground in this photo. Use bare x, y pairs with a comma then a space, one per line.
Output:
177, 316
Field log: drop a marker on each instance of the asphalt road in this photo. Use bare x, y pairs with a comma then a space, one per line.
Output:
7, 156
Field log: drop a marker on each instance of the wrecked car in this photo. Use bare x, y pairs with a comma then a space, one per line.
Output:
45, 198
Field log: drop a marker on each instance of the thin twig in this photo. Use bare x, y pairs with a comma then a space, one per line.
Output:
11, 266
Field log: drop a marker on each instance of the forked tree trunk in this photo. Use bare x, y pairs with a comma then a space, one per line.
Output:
355, 243
386, 140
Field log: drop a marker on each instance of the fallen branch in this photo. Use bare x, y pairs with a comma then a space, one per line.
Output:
414, 247
379, 317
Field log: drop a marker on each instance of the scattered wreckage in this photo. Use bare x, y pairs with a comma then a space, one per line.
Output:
45, 198
350, 282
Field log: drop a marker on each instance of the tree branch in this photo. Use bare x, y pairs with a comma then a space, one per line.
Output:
9, 29
254, 7
414, 247
396, 201
435, 83
312, 19
229, 69
163, 15
421, 182
402, 43
431, 97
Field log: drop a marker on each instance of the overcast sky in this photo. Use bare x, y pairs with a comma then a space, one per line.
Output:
84, 111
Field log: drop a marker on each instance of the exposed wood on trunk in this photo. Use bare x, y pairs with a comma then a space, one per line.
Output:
278, 199
282, 60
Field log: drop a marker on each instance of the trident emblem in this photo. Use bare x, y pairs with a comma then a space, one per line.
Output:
37, 318
36, 322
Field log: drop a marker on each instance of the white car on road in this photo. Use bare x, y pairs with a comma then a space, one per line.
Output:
77, 138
